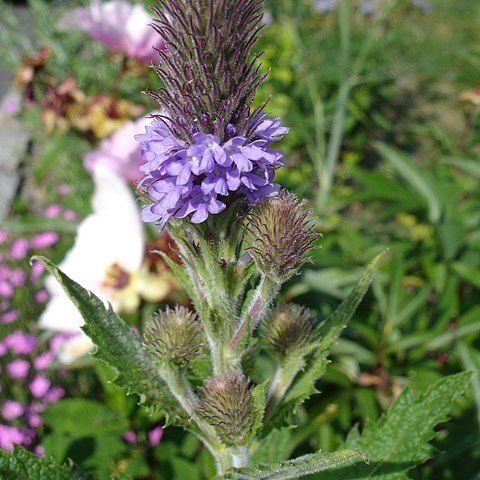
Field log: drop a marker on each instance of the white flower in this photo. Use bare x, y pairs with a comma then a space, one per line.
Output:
109, 247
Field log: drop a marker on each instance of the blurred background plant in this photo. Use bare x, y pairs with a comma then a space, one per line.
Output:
382, 99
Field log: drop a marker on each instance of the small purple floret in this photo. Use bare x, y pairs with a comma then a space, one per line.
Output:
196, 179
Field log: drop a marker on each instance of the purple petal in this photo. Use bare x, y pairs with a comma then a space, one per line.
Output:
201, 214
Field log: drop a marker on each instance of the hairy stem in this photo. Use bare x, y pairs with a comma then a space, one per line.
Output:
240, 456
261, 300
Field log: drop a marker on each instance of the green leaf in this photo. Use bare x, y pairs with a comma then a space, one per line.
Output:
275, 447
332, 326
471, 167
22, 465
399, 440
298, 467
469, 273
327, 331
119, 347
416, 178
97, 419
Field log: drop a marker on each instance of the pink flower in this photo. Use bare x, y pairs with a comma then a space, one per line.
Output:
39, 451
9, 436
41, 296
155, 435
11, 104
17, 277
63, 189
11, 410
3, 349
120, 151
54, 395
69, 215
39, 386
52, 211
19, 249
6, 290
18, 369
121, 27
130, 437
44, 240
34, 420
9, 317
21, 343
44, 360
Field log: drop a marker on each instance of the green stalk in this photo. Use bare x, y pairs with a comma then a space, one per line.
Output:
280, 384
260, 302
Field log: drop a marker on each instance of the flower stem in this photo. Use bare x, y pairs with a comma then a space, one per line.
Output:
240, 456
257, 309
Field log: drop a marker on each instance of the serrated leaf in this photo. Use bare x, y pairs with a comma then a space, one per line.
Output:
327, 331
118, 346
399, 440
259, 397
298, 467
21, 465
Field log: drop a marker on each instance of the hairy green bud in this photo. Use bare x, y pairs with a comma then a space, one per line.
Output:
174, 336
227, 404
278, 234
287, 329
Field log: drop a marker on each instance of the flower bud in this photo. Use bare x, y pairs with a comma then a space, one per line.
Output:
227, 404
174, 336
287, 329
279, 233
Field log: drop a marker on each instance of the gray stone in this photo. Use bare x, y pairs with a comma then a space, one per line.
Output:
13, 145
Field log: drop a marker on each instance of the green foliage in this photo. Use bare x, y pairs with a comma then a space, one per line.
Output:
96, 418
399, 440
415, 177
22, 465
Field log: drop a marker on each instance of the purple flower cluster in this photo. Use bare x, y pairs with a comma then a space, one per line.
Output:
25, 367
197, 178
22, 362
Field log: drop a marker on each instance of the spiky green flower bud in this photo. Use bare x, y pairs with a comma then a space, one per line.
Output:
174, 336
227, 404
287, 329
279, 233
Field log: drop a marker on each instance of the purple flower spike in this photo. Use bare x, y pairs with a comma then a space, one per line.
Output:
207, 148
196, 178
